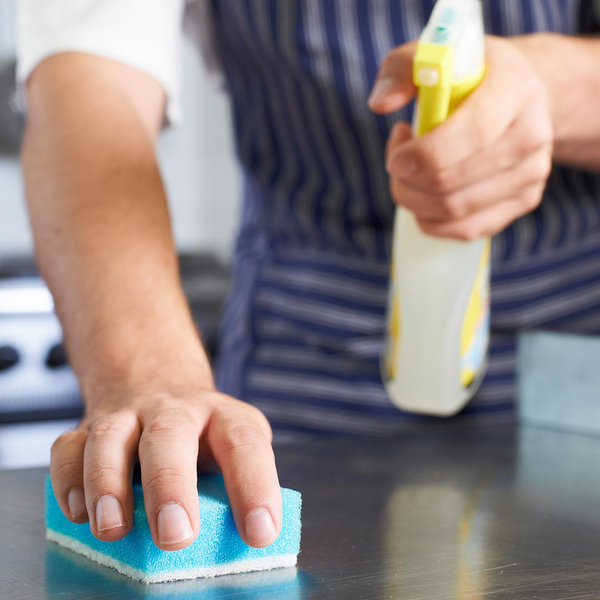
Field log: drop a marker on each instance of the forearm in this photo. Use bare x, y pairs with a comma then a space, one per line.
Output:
570, 67
102, 232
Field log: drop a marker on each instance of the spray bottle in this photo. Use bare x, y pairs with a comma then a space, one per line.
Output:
439, 310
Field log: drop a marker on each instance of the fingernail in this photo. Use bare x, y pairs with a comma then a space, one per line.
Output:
76, 502
109, 513
259, 528
173, 524
382, 89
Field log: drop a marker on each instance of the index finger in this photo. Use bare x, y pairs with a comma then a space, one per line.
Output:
394, 87
241, 445
481, 120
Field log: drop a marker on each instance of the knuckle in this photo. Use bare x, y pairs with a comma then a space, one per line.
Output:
165, 477
536, 171
261, 421
530, 87
424, 227
546, 135
68, 438
427, 157
468, 234
443, 180
544, 168
482, 132
533, 200
67, 469
243, 436
453, 206
165, 404
534, 87
167, 422
102, 476
539, 137
107, 427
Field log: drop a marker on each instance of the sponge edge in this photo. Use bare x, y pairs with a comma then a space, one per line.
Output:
240, 566
218, 549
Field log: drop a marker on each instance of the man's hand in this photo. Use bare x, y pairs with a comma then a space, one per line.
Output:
91, 466
488, 164
99, 214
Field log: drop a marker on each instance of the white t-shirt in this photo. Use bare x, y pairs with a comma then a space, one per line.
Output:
145, 34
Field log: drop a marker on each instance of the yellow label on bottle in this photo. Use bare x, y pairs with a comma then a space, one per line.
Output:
476, 326
393, 352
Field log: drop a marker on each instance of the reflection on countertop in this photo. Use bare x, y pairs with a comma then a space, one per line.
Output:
445, 513
61, 566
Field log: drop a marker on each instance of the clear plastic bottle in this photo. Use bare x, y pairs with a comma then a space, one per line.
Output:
438, 319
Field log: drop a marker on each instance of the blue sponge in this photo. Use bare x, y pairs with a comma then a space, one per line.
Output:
218, 549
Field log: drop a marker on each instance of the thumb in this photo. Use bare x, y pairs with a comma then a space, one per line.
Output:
394, 87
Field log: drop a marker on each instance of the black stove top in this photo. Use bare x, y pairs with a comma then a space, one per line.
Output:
35, 379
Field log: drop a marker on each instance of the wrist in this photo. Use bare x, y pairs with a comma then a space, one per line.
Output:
567, 68
539, 50
158, 366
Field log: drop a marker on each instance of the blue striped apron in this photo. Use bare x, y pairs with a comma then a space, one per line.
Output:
303, 328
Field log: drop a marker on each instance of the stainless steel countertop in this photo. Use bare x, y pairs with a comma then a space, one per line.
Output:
446, 514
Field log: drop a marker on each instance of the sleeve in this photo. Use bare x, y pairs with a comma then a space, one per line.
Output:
143, 34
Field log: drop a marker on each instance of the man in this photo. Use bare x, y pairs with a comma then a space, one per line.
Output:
303, 328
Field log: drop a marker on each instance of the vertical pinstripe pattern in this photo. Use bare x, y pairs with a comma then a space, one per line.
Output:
302, 331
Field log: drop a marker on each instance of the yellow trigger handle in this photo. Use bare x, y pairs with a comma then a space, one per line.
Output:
439, 93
